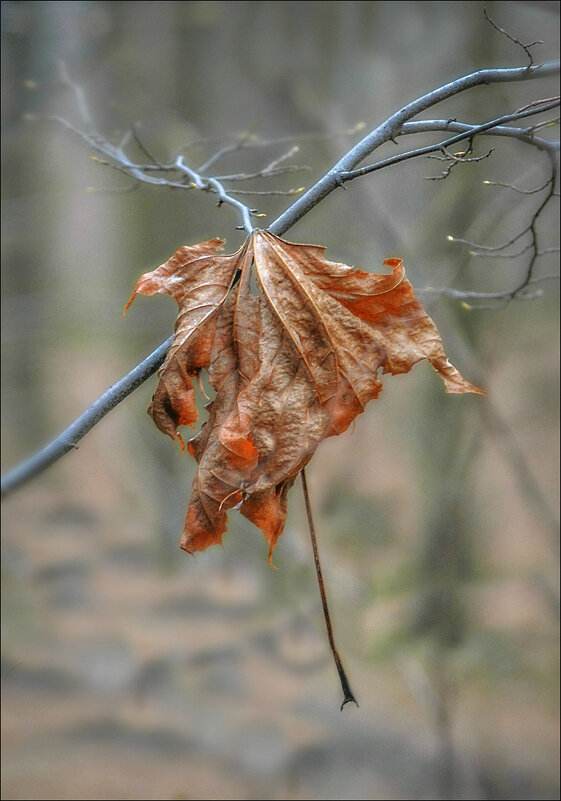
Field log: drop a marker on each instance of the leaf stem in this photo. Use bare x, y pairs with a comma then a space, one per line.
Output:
347, 692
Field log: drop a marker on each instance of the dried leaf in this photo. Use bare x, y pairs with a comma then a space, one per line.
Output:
294, 346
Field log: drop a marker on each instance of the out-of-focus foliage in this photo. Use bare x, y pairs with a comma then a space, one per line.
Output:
131, 670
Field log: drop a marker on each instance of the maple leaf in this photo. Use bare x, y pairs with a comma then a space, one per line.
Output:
294, 346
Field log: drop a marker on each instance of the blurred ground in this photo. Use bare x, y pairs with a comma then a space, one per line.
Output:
130, 670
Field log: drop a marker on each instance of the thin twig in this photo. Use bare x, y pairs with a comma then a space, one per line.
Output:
266, 172
347, 692
478, 254
267, 191
461, 159
545, 124
517, 188
242, 142
489, 248
525, 47
248, 139
143, 147
453, 160
522, 134
533, 246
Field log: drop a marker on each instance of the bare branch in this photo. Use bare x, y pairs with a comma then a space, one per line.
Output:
391, 128
525, 249
525, 47
248, 139
268, 191
522, 134
70, 437
490, 248
214, 185
122, 163
395, 125
454, 159
243, 141
264, 173
517, 189
349, 175
495, 252
142, 146
461, 158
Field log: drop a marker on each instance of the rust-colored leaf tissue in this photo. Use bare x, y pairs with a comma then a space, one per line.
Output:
293, 345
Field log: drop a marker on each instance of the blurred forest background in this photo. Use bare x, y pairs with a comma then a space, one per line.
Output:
131, 670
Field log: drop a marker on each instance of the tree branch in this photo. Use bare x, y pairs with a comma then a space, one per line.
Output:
395, 125
497, 251
138, 172
522, 134
525, 47
389, 129
473, 130
70, 437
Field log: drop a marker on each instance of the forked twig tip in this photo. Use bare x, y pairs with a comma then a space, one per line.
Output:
349, 699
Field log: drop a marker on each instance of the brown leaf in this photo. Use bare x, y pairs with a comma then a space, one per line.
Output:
294, 346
